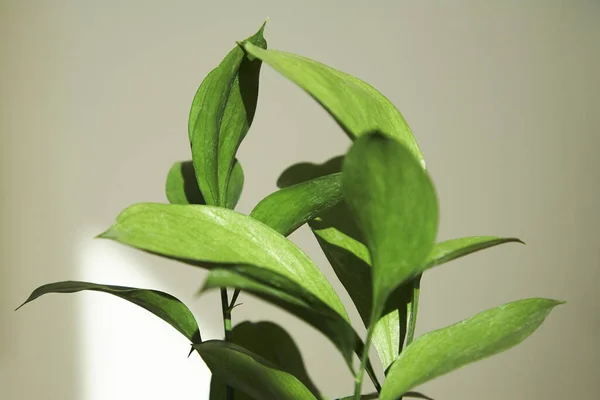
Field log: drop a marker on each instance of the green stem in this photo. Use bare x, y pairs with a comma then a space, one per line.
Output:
414, 309
363, 361
227, 327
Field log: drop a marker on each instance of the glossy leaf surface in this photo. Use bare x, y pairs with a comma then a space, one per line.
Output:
221, 114
354, 104
439, 352
214, 235
163, 305
452, 249
250, 373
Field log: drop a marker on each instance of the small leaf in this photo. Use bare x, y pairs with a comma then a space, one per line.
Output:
206, 235
163, 305
303, 172
236, 184
221, 114
355, 105
250, 373
182, 186
394, 205
288, 209
273, 343
439, 352
452, 249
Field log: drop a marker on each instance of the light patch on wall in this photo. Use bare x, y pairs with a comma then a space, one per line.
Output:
126, 352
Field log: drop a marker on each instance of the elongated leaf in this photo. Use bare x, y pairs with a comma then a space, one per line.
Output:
221, 114
291, 296
250, 373
394, 205
439, 352
449, 250
236, 184
354, 104
163, 305
288, 209
372, 396
339, 237
273, 343
182, 186
214, 235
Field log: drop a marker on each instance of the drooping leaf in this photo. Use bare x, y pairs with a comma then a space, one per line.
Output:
163, 305
292, 297
221, 114
205, 235
288, 209
439, 352
182, 186
449, 250
355, 105
393, 203
250, 373
273, 343
236, 184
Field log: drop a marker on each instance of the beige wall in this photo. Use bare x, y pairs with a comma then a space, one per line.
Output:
503, 98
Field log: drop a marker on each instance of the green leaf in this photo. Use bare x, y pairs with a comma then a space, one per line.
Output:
372, 396
292, 297
236, 184
250, 373
393, 203
288, 209
207, 235
182, 186
305, 171
439, 352
221, 114
340, 240
449, 250
355, 105
273, 343
163, 305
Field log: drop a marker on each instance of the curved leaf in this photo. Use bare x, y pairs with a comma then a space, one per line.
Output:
394, 205
288, 209
221, 114
214, 235
373, 396
273, 343
485, 334
182, 186
250, 373
449, 250
163, 305
235, 185
355, 105
305, 171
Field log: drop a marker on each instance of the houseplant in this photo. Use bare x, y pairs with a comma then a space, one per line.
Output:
373, 211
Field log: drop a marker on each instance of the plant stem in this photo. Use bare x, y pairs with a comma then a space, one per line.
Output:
363, 360
227, 327
414, 309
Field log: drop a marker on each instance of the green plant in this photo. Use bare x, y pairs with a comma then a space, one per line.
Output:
373, 212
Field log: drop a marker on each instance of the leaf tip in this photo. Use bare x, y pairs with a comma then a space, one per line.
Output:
110, 233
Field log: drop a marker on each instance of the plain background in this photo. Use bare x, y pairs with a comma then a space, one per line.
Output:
504, 100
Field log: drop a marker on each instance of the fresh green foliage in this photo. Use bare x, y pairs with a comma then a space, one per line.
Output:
373, 211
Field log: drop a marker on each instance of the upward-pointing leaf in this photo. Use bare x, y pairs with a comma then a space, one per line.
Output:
163, 305
394, 205
214, 235
250, 373
355, 105
439, 352
221, 114
288, 209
